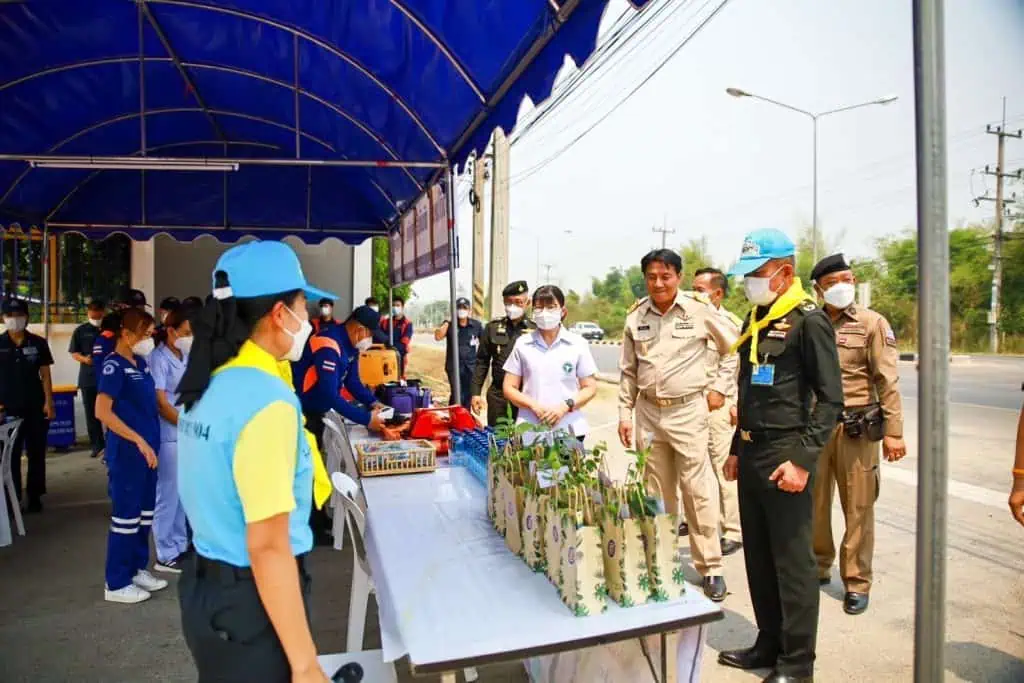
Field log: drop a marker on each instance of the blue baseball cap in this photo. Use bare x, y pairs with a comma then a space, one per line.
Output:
760, 247
264, 268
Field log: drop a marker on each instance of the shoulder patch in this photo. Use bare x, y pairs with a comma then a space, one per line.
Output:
637, 304
808, 306
698, 296
109, 368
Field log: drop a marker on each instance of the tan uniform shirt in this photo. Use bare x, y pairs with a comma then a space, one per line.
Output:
868, 359
664, 356
723, 369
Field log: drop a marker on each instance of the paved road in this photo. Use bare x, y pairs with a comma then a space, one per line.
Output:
981, 381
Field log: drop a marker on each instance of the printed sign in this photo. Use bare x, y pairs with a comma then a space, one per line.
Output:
420, 247
422, 238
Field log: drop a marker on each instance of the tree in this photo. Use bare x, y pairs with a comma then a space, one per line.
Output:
381, 277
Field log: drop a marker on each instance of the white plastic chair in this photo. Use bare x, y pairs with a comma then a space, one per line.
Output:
338, 458
8, 435
372, 662
354, 504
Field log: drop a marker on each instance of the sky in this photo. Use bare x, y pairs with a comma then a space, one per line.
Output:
681, 153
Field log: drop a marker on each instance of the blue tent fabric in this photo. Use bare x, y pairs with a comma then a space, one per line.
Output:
381, 80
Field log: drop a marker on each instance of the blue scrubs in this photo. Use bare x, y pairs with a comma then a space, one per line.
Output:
170, 533
132, 484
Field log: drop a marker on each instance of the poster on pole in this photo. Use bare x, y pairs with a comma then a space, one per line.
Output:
408, 232
395, 257
439, 227
423, 265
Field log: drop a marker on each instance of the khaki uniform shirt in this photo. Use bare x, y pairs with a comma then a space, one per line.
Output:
868, 359
665, 355
722, 369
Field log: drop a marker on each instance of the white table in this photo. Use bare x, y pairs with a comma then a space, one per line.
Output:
452, 595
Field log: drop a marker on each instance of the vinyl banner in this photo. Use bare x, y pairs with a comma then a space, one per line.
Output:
420, 247
408, 232
395, 257
422, 240
439, 228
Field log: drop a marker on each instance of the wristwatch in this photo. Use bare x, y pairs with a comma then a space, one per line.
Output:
571, 403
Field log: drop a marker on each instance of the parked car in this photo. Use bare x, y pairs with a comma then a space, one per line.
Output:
589, 331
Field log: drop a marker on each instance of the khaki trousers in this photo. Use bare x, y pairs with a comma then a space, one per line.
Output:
852, 465
678, 439
719, 443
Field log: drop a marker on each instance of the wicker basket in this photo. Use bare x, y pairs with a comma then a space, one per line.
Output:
378, 458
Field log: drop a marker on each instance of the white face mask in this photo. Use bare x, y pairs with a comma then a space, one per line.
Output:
16, 323
840, 295
513, 312
95, 322
397, 310
299, 338
462, 313
144, 347
547, 318
183, 344
326, 311
364, 344
759, 289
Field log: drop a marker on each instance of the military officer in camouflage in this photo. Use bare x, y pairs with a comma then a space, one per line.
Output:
499, 337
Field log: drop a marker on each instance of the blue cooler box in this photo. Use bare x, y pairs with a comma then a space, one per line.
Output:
62, 426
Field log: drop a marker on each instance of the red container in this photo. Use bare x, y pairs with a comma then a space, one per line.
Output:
436, 424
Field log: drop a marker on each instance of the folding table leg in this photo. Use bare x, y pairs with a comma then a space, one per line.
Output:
669, 655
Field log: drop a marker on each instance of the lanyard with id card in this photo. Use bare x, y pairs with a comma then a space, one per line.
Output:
763, 375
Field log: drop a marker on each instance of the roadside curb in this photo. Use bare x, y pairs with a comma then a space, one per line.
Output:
953, 357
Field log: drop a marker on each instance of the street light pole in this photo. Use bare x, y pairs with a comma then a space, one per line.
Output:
888, 99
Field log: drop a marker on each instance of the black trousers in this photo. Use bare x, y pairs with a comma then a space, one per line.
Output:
94, 426
319, 520
781, 569
31, 436
497, 406
226, 628
465, 386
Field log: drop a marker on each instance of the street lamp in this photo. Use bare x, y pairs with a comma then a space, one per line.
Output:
888, 99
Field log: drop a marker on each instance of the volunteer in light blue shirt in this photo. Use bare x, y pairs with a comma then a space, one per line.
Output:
551, 373
167, 365
248, 474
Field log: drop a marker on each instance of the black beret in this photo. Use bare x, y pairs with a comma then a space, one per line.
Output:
515, 288
830, 264
367, 317
326, 302
15, 307
463, 302
170, 303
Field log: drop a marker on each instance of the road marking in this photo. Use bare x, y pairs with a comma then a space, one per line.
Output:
970, 405
957, 489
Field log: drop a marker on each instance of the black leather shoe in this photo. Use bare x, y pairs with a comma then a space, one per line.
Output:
750, 658
776, 677
34, 506
729, 547
714, 588
684, 528
855, 603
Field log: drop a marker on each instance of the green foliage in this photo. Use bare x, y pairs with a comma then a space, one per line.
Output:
381, 277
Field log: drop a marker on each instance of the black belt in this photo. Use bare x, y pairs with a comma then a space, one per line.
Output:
229, 572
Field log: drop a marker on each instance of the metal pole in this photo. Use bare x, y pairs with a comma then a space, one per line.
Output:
298, 127
46, 281
391, 314
933, 335
814, 210
453, 325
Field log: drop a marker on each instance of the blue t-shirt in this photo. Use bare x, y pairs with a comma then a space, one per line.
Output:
134, 394
167, 372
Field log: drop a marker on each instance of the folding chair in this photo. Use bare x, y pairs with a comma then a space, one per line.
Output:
8, 435
339, 458
354, 505
371, 662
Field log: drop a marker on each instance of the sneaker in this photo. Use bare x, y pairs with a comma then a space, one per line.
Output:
128, 595
147, 581
172, 566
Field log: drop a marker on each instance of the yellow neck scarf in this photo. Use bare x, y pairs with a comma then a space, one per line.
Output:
790, 299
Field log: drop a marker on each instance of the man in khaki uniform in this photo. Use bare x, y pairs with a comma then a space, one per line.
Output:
721, 398
872, 411
664, 378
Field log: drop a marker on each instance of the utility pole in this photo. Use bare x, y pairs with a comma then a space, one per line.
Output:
665, 232
476, 200
547, 268
997, 243
499, 219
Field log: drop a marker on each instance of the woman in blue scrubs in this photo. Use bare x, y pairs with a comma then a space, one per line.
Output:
126, 405
167, 365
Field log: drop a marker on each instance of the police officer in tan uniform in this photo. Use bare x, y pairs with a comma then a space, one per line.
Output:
872, 412
664, 380
722, 402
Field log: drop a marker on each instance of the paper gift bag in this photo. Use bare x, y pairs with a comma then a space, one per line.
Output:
533, 530
492, 485
512, 502
552, 537
661, 543
581, 576
625, 562
498, 501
